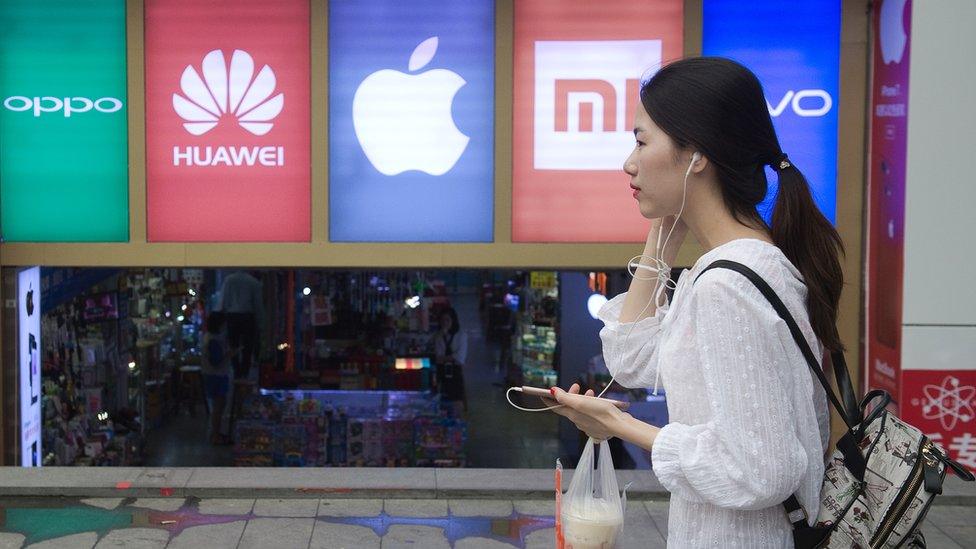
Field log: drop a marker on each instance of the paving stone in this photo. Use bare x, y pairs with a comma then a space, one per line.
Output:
135, 538
936, 539
343, 536
964, 536
211, 535
951, 515
9, 540
280, 533
159, 504
416, 508
639, 529
402, 536
286, 507
541, 539
540, 508
480, 508
350, 507
103, 503
220, 506
85, 540
481, 543
658, 510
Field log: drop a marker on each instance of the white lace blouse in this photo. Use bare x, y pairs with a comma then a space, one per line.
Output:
748, 421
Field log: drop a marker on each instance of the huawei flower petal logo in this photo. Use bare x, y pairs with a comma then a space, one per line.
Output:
221, 91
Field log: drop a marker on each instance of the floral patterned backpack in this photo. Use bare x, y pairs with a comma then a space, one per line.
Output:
880, 482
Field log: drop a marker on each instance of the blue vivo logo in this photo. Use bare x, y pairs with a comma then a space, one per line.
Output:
794, 49
411, 121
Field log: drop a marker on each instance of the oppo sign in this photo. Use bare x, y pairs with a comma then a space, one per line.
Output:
65, 105
64, 154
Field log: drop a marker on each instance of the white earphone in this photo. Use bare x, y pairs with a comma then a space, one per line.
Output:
661, 272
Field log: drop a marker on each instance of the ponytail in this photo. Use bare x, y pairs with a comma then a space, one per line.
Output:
812, 244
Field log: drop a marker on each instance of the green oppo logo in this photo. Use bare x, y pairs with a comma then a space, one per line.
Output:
66, 105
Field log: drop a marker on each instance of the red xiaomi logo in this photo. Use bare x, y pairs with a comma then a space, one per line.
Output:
577, 73
605, 102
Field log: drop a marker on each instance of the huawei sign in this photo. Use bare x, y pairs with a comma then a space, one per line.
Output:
225, 92
237, 92
227, 121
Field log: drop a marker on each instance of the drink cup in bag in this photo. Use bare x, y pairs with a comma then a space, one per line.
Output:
592, 510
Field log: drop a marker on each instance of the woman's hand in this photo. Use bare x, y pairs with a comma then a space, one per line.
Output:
600, 419
667, 224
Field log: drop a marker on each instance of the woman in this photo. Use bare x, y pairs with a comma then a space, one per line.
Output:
451, 350
749, 424
216, 374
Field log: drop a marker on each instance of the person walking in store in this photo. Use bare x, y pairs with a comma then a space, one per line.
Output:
748, 422
242, 302
216, 373
450, 352
501, 327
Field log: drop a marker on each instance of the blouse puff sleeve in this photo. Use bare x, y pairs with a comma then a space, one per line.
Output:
747, 455
630, 348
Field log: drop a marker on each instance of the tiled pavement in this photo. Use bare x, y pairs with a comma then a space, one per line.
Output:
156, 523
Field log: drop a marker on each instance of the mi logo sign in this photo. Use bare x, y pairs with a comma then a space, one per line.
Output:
581, 96
586, 95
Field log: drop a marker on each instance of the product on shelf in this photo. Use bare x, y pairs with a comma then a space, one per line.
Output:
334, 428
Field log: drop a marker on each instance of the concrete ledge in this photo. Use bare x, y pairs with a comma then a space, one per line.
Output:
334, 483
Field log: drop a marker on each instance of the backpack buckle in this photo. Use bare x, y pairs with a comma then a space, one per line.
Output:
797, 515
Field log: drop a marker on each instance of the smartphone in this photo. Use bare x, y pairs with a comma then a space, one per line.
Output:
544, 393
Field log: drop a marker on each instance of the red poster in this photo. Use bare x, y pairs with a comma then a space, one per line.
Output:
886, 195
227, 121
578, 68
942, 404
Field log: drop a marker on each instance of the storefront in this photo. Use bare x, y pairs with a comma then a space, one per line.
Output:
343, 233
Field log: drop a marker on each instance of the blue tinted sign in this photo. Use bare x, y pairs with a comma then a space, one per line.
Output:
794, 49
411, 121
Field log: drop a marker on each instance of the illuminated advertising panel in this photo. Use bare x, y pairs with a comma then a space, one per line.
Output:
29, 358
63, 121
411, 121
794, 49
228, 121
578, 68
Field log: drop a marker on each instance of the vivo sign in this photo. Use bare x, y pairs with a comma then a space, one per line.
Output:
800, 80
803, 103
66, 105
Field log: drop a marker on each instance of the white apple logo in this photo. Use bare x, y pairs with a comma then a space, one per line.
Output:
892, 31
403, 121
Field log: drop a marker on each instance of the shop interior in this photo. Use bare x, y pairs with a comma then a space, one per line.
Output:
320, 367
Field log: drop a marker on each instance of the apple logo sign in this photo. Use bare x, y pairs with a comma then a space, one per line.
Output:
892, 31
403, 121
30, 302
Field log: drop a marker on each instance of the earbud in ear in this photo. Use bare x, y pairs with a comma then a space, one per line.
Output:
696, 157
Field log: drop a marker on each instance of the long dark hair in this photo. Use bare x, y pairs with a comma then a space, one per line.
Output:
716, 106
455, 325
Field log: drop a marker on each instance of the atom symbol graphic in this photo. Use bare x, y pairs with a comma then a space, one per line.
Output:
948, 403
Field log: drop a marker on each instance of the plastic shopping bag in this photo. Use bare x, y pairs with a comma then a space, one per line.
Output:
592, 511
